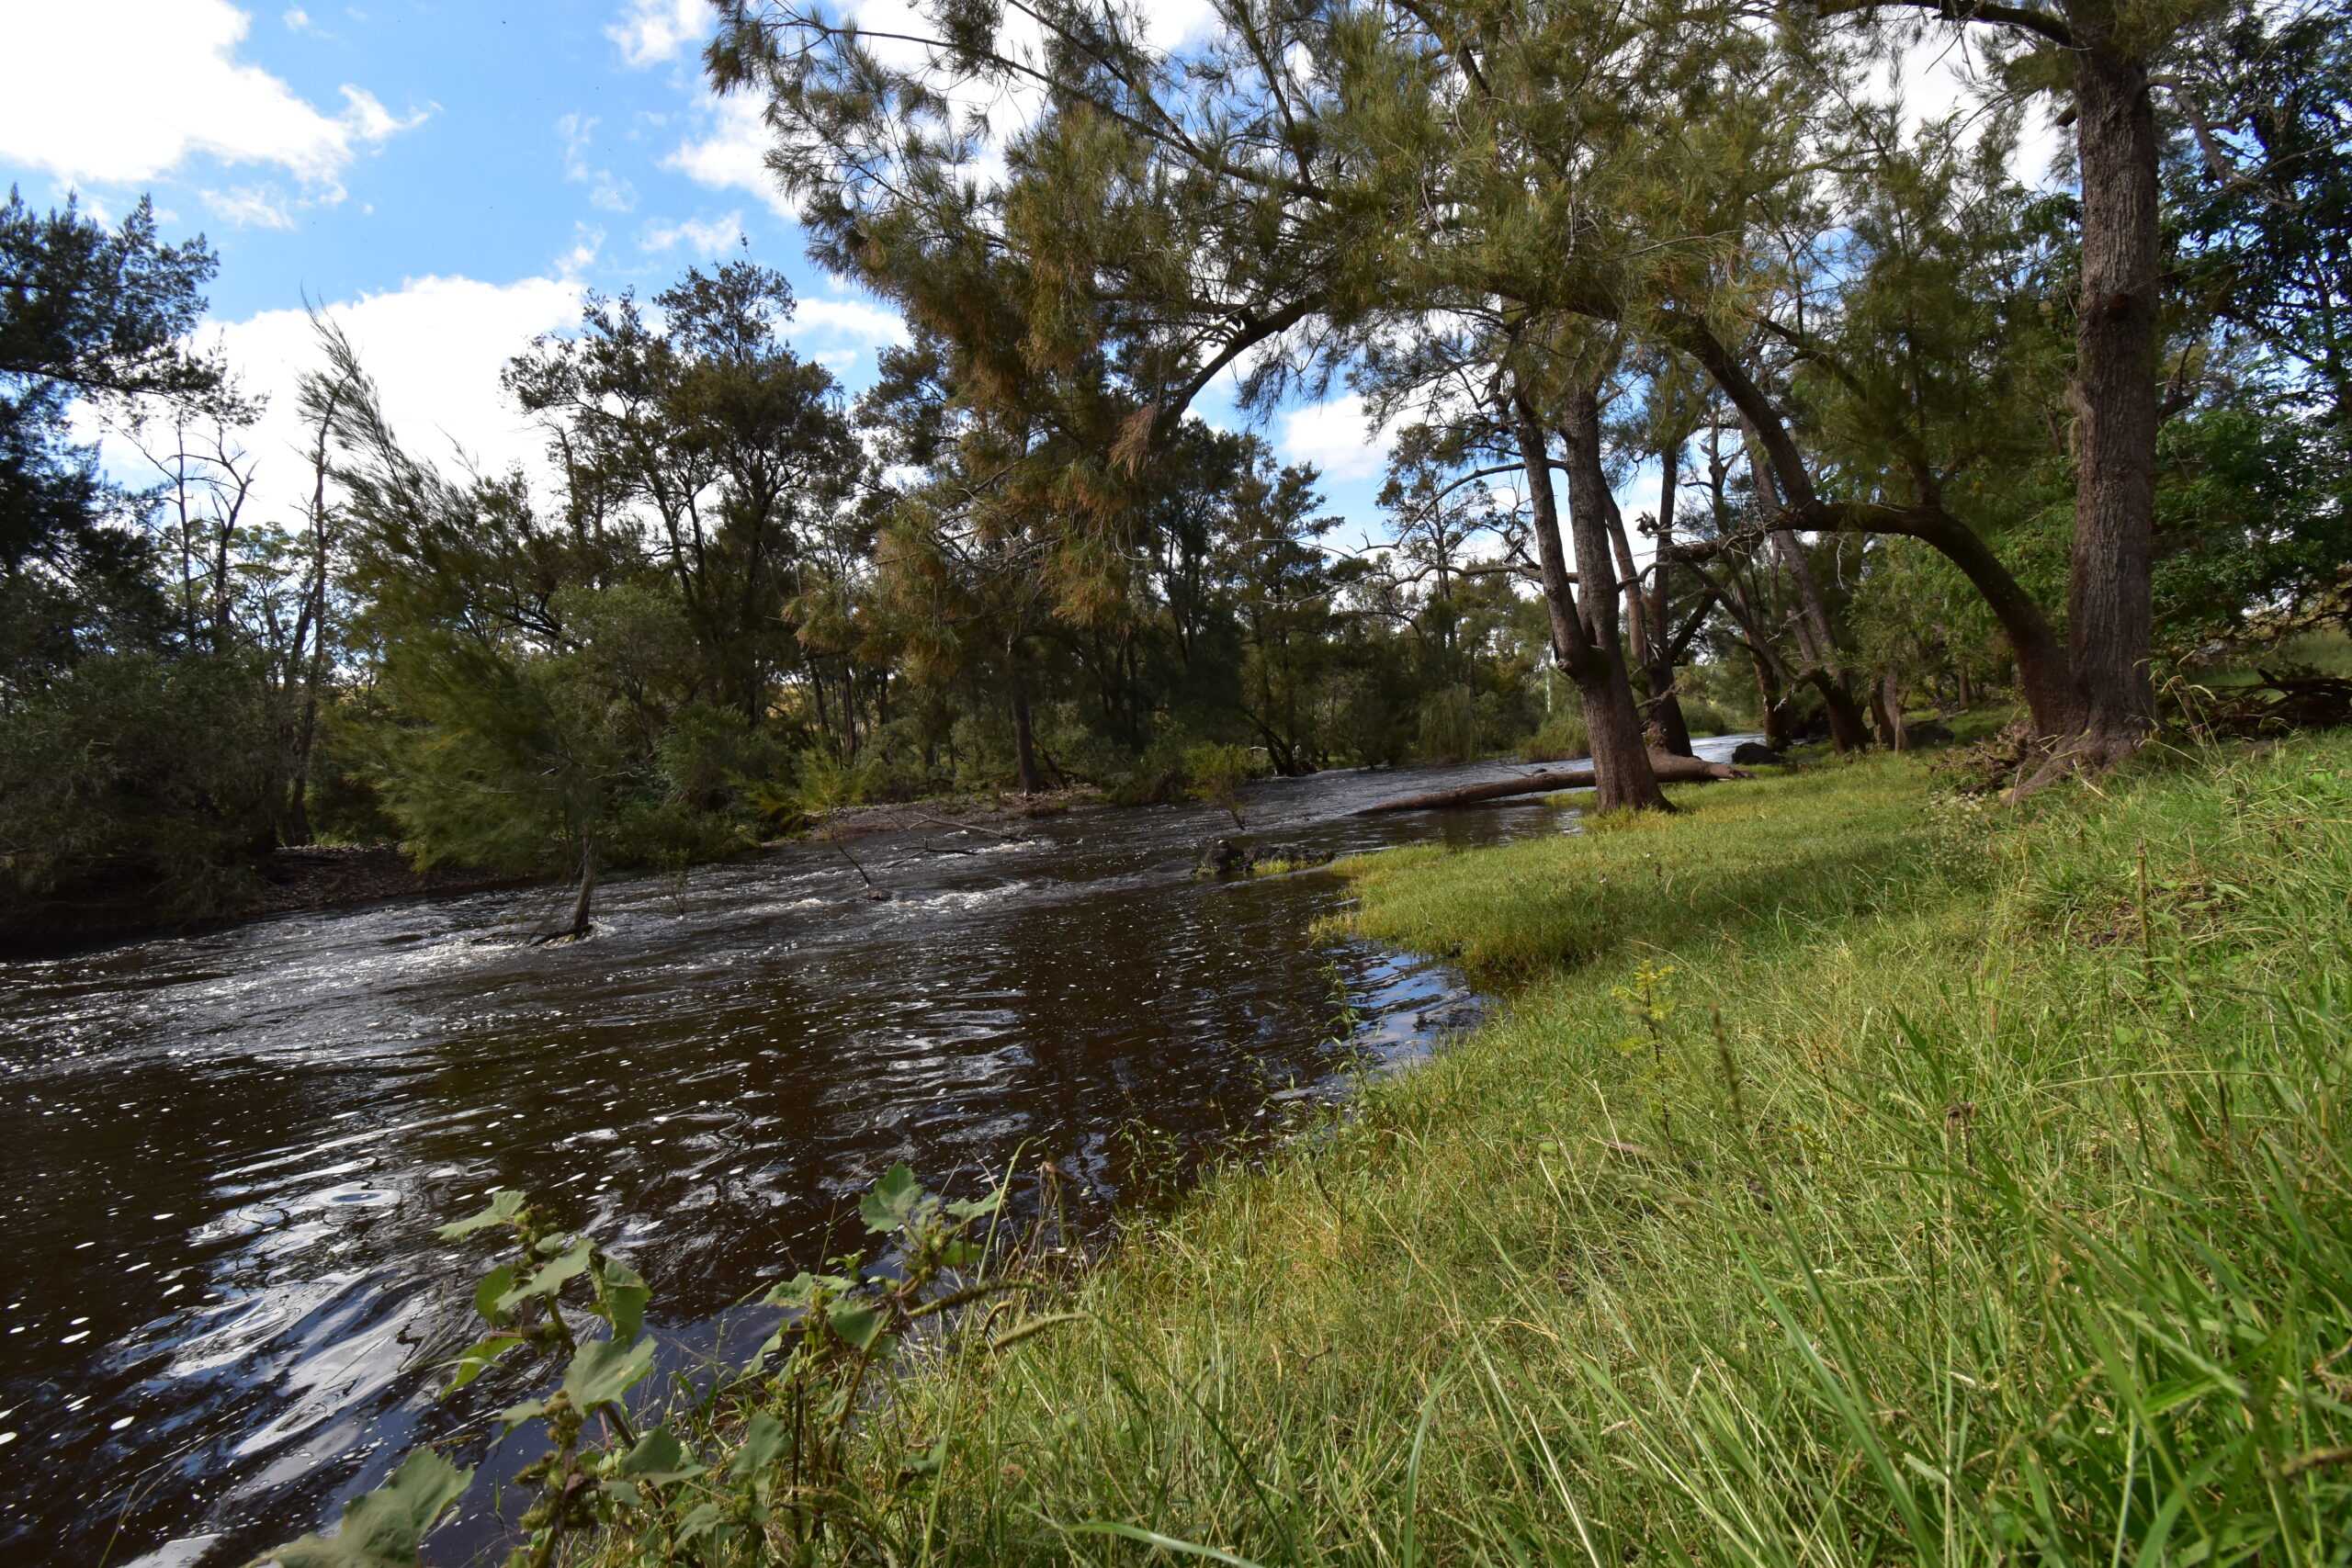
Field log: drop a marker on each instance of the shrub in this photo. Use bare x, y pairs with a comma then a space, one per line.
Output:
1215, 774
1705, 717
1448, 726
1562, 738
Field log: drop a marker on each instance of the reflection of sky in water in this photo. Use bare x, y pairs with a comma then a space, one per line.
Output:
221, 1157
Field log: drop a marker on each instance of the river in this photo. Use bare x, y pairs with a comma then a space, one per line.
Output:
222, 1156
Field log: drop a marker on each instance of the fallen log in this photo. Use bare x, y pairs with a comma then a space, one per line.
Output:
1669, 770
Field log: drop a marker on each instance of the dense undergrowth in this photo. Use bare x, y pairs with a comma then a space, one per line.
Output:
1852, 1176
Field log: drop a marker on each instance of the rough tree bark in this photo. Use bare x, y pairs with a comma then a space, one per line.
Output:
2109, 612
1584, 627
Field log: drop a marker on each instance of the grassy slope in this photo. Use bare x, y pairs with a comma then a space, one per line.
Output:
1850, 1179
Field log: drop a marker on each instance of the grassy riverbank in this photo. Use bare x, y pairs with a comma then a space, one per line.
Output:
1851, 1177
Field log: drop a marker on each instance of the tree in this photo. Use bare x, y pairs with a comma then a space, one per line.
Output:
100, 317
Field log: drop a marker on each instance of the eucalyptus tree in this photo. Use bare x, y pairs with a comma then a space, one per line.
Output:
2108, 62
700, 423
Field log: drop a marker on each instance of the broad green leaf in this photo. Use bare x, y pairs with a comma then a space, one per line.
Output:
493, 1285
605, 1369
763, 1444
383, 1529
475, 1360
504, 1204
515, 1415
657, 1459
856, 1323
892, 1200
624, 1293
965, 1212
705, 1519
550, 1279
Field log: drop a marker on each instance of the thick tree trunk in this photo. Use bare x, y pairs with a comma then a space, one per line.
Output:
1671, 770
1584, 627
2109, 612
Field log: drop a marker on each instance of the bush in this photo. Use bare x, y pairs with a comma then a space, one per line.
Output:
1562, 738
1447, 730
136, 771
1703, 718
1215, 774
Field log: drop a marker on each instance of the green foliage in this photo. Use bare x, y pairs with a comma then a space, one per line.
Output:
1562, 736
1214, 774
1705, 717
135, 770
758, 1460
1948, 1144
384, 1528
1447, 727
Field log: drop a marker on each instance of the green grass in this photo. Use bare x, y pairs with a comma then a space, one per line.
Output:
1849, 1178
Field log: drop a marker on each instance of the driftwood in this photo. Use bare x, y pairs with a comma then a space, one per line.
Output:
1669, 770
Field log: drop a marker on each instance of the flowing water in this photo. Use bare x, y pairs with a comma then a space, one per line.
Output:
223, 1157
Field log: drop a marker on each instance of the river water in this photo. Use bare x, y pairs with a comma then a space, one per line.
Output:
222, 1156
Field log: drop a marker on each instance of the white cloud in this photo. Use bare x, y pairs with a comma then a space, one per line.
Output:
297, 19
434, 346
1337, 437
250, 207
1171, 24
703, 237
650, 31
608, 192
858, 322
587, 244
173, 88
731, 154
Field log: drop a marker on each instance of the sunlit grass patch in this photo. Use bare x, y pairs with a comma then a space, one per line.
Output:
1849, 1178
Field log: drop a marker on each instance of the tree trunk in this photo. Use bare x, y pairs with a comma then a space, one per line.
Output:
1583, 634
1025, 742
1771, 707
1886, 701
1652, 655
580, 926
2108, 609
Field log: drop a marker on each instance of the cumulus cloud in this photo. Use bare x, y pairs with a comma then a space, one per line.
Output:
650, 31
698, 236
837, 332
1337, 437
730, 152
173, 86
434, 346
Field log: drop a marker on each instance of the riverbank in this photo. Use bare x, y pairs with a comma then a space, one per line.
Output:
1851, 1175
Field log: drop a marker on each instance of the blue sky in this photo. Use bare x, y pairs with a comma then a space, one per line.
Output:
448, 177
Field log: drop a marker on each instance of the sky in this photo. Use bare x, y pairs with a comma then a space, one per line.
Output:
448, 178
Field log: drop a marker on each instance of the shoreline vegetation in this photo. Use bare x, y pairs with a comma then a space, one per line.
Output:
1854, 1170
